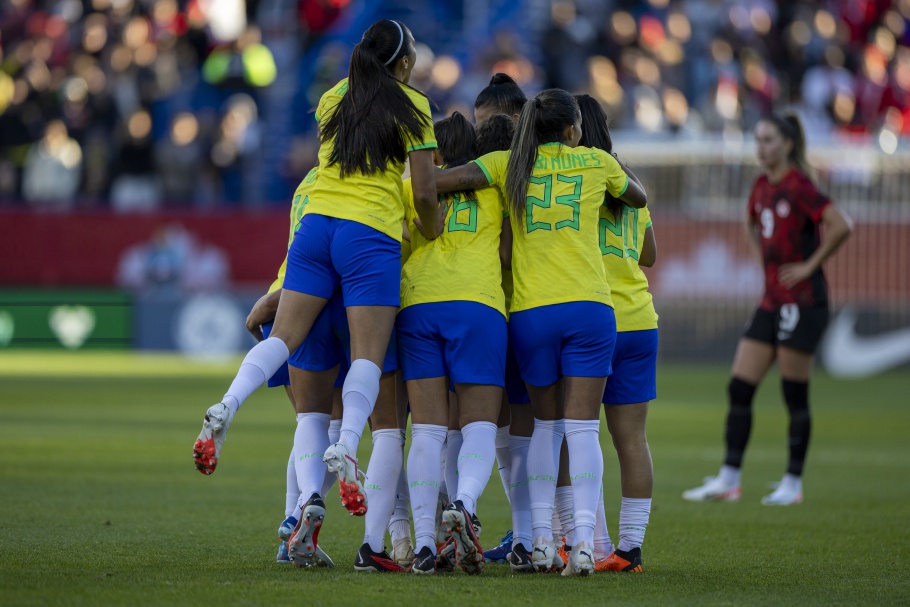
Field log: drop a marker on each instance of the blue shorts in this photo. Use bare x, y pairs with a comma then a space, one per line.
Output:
572, 339
329, 342
634, 378
328, 252
463, 340
516, 391
281, 377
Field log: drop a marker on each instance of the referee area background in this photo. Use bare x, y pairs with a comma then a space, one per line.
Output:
148, 153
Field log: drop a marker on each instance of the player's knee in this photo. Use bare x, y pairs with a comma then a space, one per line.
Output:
796, 395
740, 394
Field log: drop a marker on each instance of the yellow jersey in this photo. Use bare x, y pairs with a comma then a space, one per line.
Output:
555, 254
463, 263
298, 204
373, 200
620, 245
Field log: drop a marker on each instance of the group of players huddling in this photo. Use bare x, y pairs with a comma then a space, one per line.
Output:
489, 296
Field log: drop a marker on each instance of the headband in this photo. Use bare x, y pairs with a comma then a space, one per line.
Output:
400, 42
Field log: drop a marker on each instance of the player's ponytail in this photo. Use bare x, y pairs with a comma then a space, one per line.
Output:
503, 95
544, 119
596, 134
791, 127
375, 118
455, 138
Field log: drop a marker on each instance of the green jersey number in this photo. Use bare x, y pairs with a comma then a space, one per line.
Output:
568, 200
464, 215
626, 228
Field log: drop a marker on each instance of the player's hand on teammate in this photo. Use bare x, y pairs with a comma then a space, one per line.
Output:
440, 222
263, 311
794, 273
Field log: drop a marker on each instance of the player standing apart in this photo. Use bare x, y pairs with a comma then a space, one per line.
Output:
350, 235
783, 223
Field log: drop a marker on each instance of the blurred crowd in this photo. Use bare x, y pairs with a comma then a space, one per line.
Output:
142, 104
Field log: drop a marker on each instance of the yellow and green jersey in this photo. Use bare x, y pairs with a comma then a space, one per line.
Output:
555, 253
463, 263
373, 200
298, 204
621, 241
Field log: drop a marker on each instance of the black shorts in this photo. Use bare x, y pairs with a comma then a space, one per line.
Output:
790, 326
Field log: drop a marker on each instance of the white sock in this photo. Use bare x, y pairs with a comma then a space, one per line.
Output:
475, 462
504, 457
310, 442
633, 520
603, 545
330, 478
423, 481
454, 441
443, 467
543, 464
400, 523
729, 475
293, 491
361, 388
565, 510
381, 485
556, 534
791, 483
259, 364
586, 467
519, 498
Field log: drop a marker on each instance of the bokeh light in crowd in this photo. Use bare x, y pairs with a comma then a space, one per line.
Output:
894, 22
446, 72
874, 65
887, 140
139, 125
623, 27
760, 20
885, 41
184, 129
676, 107
670, 52
651, 32
799, 33
679, 27
603, 79
648, 109
844, 107
659, 3
94, 37
825, 24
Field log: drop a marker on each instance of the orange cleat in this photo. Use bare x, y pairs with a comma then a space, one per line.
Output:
627, 561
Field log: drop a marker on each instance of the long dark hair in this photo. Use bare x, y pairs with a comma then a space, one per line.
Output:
791, 127
543, 120
596, 134
456, 140
375, 117
495, 134
503, 93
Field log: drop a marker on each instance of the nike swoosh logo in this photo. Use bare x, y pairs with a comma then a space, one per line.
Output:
846, 354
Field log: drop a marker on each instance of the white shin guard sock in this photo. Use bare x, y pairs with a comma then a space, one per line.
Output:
423, 481
454, 441
361, 388
400, 523
475, 462
634, 515
603, 545
310, 442
292, 493
258, 365
565, 510
543, 464
586, 466
519, 498
381, 485
504, 458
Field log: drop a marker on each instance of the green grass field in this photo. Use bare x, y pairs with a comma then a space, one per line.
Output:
100, 503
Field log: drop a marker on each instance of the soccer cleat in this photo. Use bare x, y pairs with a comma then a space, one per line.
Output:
403, 552
207, 448
477, 528
303, 549
564, 551
283, 553
445, 556
713, 490
581, 561
500, 553
622, 560
339, 462
544, 557
424, 562
442, 502
460, 527
520, 560
375, 562
287, 528
788, 493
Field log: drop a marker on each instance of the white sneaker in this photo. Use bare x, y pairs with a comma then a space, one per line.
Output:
713, 490
789, 492
207, 448
544, 557
403, 552
339, 462
581, 561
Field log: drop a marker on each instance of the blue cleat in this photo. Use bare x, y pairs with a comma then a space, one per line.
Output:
283, 553
287, 528
500, 552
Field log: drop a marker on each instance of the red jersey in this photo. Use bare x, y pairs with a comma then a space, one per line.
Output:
788, 214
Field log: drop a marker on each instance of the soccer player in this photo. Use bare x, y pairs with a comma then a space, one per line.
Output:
349, 237
562, 336
626, 243
783, 219
452, 326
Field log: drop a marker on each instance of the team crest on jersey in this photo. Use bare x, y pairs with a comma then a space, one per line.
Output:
783, 208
